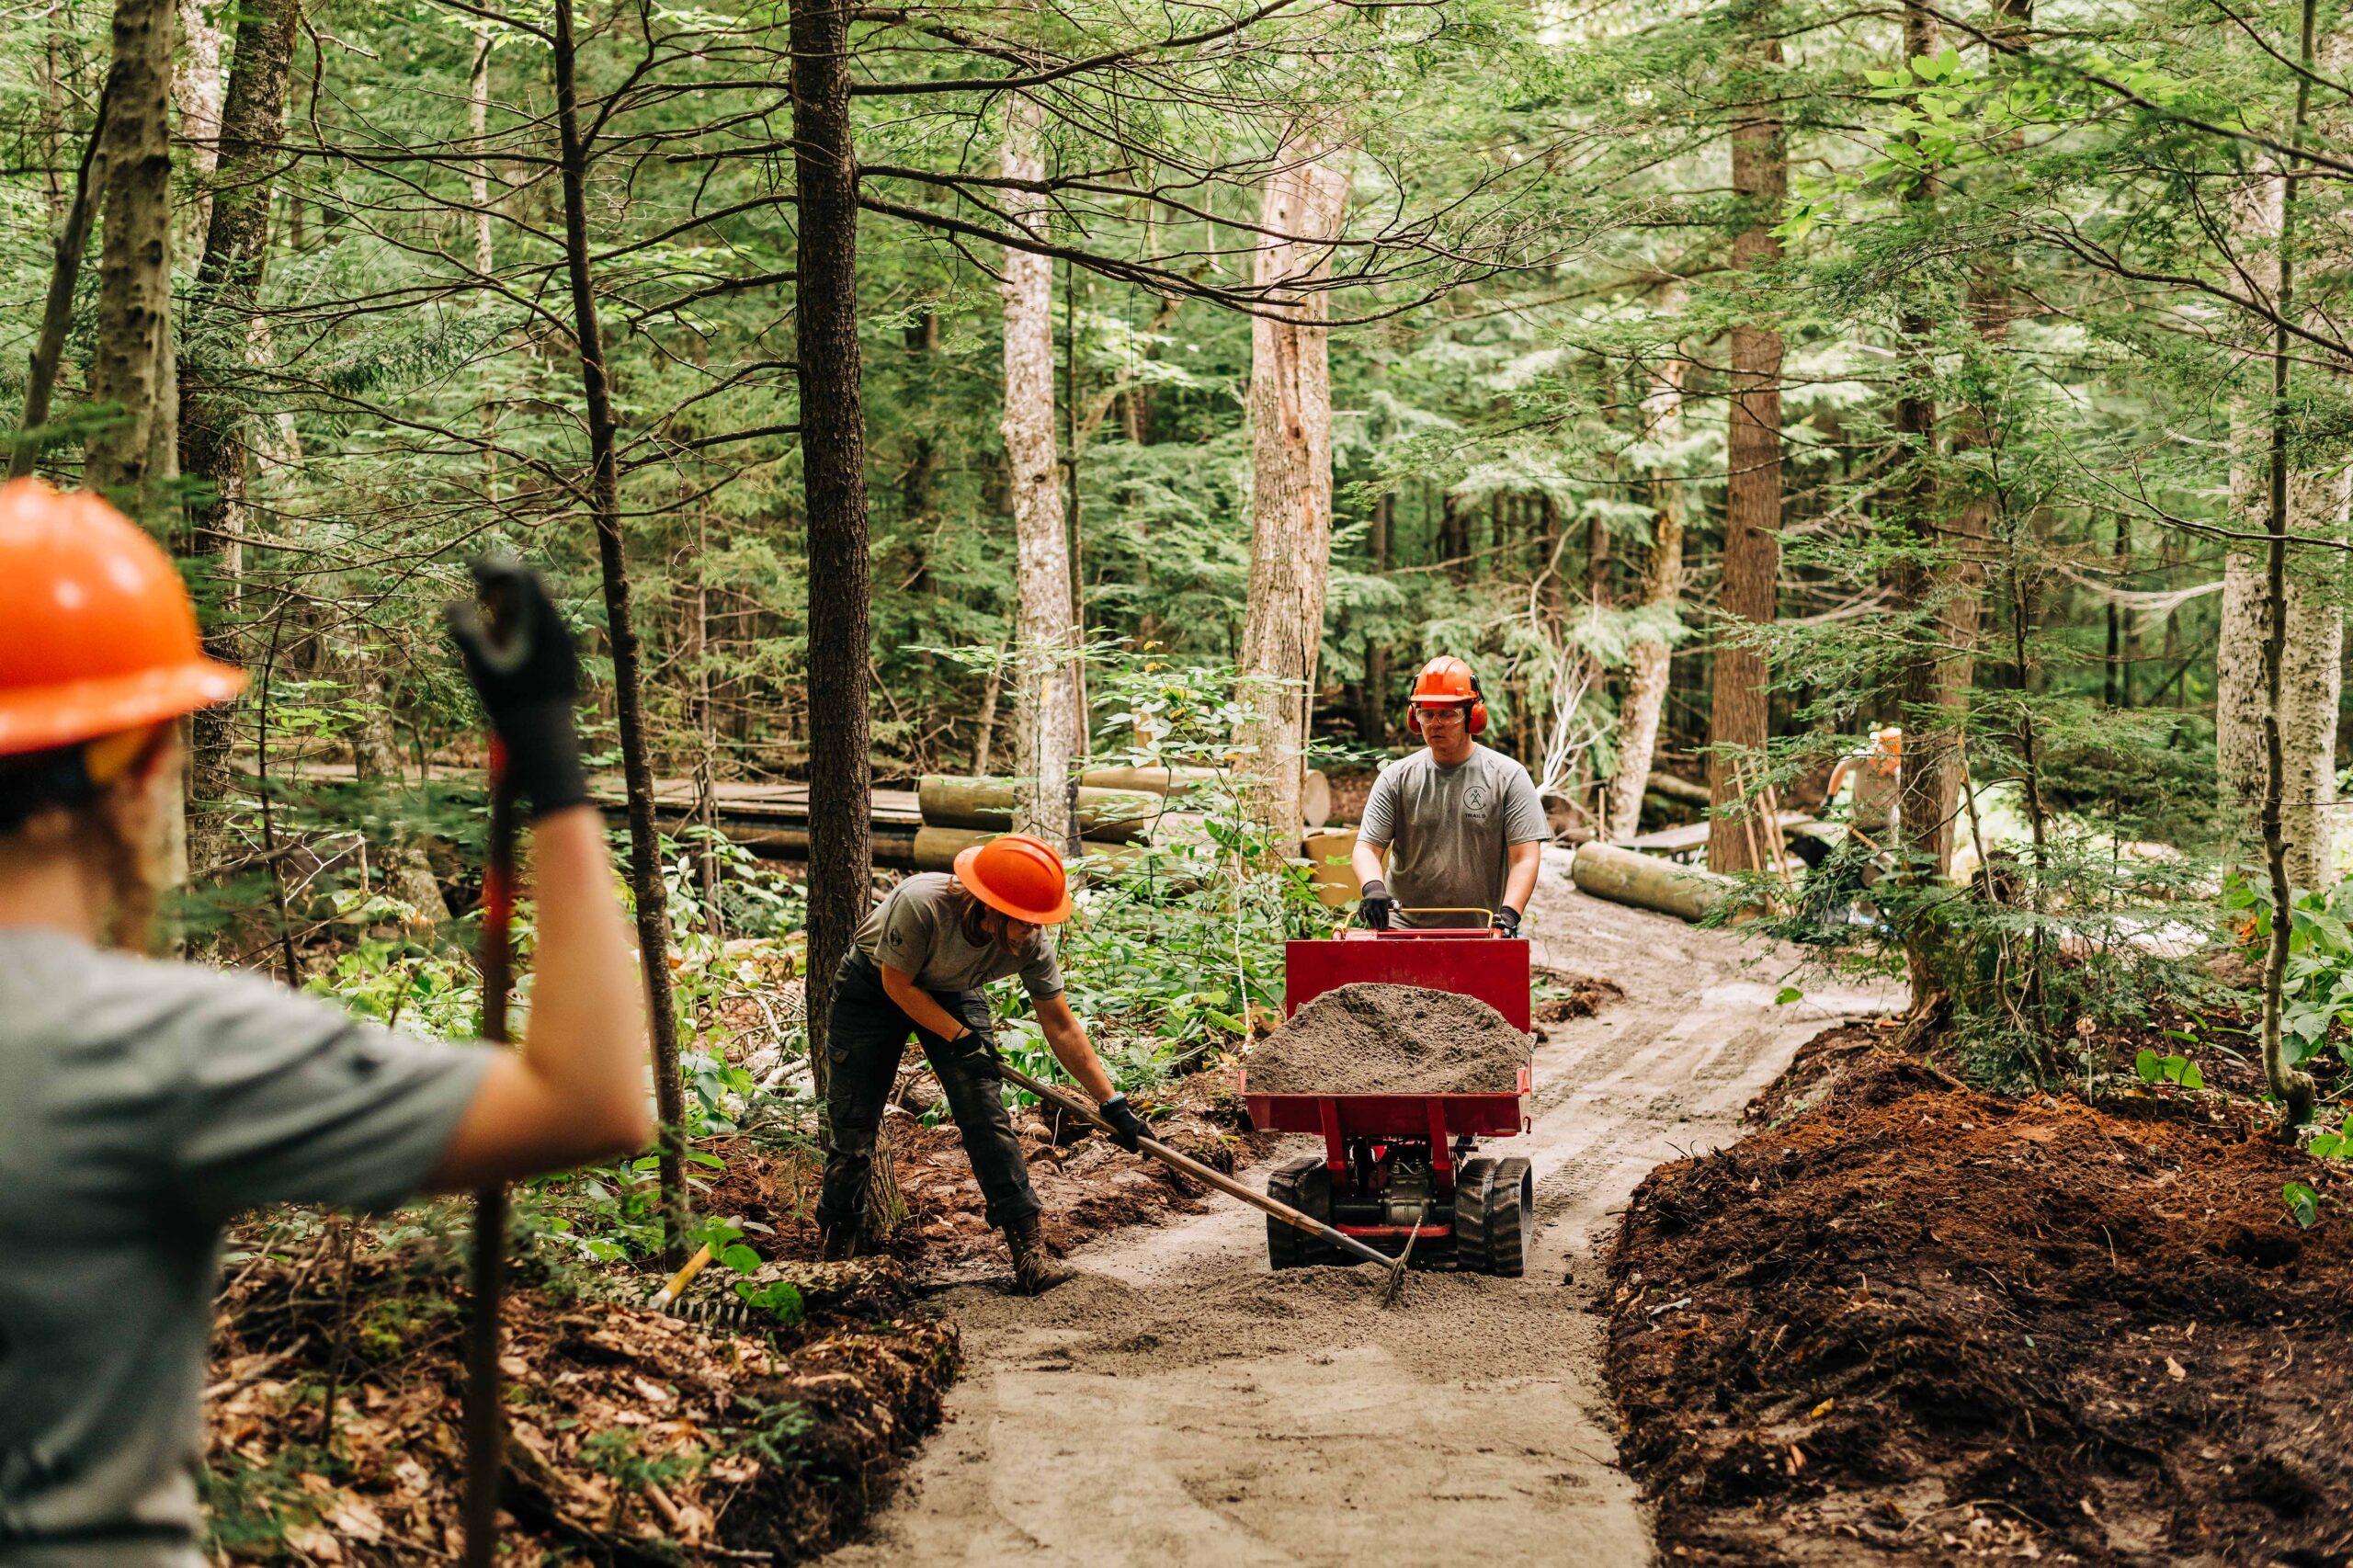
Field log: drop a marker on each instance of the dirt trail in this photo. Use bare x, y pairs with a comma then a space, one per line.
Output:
1180, 1403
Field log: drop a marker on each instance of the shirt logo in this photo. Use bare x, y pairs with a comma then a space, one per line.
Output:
1476, 799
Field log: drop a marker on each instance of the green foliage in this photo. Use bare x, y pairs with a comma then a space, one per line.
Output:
2177, 1070
2316, 989
2303, 1204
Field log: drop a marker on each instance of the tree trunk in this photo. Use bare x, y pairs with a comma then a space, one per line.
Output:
219, 332
1290, 489
1927, 699
1045, 736
832, 460
1740, 712
196, 94
132, 458
478, 192
57, 310
2314, 505
2283, 779
1649, 658
637, 769
1372, 707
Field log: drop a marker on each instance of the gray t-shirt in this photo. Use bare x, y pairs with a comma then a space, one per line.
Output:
141, 1105
1450, 831
918, 930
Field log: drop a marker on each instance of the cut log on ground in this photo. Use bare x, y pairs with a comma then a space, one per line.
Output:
1629, 876
1107, 816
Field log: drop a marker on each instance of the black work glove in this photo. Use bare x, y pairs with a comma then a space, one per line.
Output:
1506, 920
1375, 904
1127, 1127
975, 1053
520, 660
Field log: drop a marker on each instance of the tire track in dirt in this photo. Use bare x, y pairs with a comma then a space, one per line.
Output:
1179, 1404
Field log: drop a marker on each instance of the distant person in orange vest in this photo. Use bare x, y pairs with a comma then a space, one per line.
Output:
917, 968
1877, 773
144, 1104
1454, 827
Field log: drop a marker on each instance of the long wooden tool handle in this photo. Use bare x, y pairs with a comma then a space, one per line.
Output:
1207, 1175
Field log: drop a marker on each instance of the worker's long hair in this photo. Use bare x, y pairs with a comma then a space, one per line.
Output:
981, 926
51, 795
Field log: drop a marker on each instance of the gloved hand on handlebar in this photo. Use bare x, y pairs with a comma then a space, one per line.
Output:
1375, 904
1506, 920
1127, 1127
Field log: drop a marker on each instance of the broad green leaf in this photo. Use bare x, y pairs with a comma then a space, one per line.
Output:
2303, 1204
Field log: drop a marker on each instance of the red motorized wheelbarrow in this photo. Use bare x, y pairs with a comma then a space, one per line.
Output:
1404, 1169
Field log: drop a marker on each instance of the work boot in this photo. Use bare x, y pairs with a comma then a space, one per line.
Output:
1034, 1269
837, 1244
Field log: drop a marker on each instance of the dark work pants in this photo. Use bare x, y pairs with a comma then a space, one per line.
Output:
867, 1034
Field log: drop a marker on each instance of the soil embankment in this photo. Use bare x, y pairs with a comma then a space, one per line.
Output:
1907, 1322
1178, 1405
1390, 1040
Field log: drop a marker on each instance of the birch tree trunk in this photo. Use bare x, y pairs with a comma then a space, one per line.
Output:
1045, 701
1649, 657
1290, 490
134, 459
196, 94
2316, 505
478, 192
1741, 711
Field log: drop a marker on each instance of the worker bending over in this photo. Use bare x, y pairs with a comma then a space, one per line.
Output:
916, 967
144, 1104
1462, 824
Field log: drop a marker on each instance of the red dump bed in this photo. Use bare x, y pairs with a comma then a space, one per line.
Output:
1483, 964
1477, 963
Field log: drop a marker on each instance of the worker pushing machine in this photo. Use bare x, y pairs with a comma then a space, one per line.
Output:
916, 967
1460, 826
144, 1104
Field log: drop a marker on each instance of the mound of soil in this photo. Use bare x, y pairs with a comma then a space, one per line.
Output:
1586, 995
634, 1437
1940, 1323
1400, 1040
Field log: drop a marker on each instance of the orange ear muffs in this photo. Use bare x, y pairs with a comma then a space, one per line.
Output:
1478, 714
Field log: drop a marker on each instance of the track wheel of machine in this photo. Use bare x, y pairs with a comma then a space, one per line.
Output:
1494, 1204
1305, 1184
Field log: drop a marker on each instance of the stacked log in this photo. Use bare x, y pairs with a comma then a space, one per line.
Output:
1315, 795
1105, 815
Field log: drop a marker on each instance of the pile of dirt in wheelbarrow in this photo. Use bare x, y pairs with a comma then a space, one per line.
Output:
1938, 1323
1390, 1040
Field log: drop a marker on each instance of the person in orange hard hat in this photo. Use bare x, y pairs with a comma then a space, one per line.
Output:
1877, 772
916, 967
1453, 835
144, 1104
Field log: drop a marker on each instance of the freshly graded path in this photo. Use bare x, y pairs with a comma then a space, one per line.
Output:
1179, 1404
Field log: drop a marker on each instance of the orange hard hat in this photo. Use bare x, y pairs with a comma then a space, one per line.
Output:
97, 632
1018, 875
1447, 679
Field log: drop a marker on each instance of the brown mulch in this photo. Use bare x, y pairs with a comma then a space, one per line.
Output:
1906, 1321
1580, 996
634, 1437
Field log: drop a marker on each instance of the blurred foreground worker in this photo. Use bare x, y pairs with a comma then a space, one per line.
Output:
144, 1104
1461, 825
916, 967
